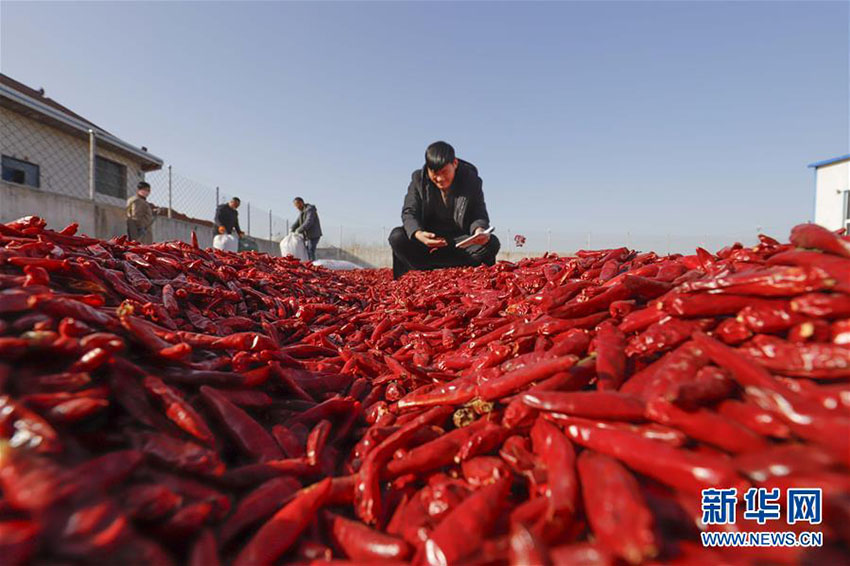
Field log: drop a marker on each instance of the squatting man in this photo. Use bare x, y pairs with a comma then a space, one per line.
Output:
444, 206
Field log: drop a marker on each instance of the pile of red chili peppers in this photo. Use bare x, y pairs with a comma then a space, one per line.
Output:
164, 404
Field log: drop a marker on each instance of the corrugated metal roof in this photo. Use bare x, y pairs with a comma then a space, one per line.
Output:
826, 162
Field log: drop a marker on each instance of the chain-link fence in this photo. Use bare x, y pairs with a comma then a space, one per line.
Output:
183, 198
82, 162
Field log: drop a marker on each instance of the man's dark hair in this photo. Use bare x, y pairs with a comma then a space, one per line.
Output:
143, 185
237, 199
438, 155
298, 199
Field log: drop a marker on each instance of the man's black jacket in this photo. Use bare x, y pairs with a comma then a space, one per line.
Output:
227, 217
469, 210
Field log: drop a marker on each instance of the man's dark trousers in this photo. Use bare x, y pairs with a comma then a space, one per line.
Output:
410, 253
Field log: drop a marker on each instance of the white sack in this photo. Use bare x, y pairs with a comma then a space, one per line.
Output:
226, 242
293, 245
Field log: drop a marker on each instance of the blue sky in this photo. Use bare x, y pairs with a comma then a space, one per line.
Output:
654, 124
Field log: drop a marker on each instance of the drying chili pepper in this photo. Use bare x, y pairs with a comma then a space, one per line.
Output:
510, 382
819, 361
818, 237
628, 531
281, 531
259, 505
686, 471
610, 357
179, 410
474, 518
596, 404
706, 426
558, 454
732, 331
365, 545
248, 434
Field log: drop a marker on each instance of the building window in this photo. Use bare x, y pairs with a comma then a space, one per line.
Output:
110, 178
21, 172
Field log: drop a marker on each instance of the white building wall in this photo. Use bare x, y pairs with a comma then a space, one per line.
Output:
63, 159
832, 181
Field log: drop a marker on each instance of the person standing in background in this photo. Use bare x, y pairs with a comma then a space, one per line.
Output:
140, 215
227, 217
307, 226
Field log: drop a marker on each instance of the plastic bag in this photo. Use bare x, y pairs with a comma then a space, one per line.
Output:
336, 264
248, 244
226, 242
293, 245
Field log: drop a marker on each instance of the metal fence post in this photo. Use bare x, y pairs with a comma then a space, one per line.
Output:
270, 225
287, 225
216, 196
249, 218
169, 191
92, 150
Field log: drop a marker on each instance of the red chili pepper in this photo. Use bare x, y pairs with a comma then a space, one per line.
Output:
628, 530
282, 530
769, 319
252, 474
686, 471
558, 454
248, 434
594, 404
474, 518
577, 377
24, 428
259, 505
639, 320
679, 366
436, 453
484, 470
368, 484
363, 544
526, 548
783, 460
63, 308
732, 331
499, 387
704, 304
455, 392
818, 237
650, 431
663, 335
316, 441
706, 426
178, 454
805, 418
610, 345
91, 360
179, 410
775, 281
819, 361
710, 384
150, 502
585, 554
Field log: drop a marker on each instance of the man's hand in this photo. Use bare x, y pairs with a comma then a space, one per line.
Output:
241, 234
483, 235
430, 239
479, 238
